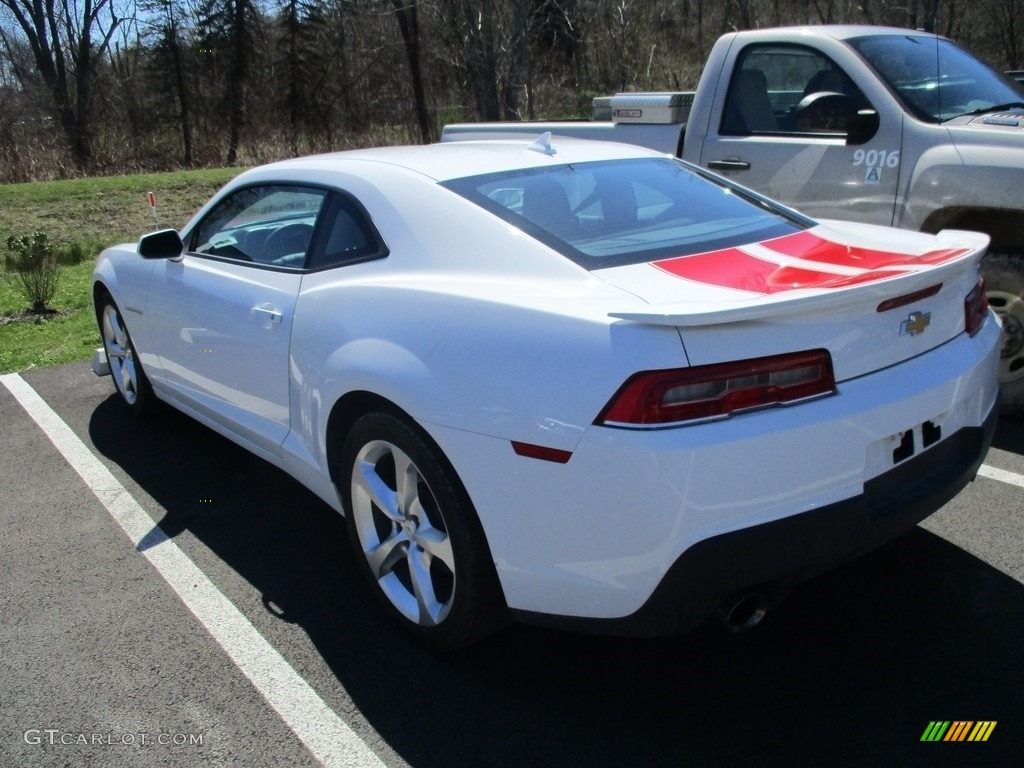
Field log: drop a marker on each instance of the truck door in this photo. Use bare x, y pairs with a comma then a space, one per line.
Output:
762, 136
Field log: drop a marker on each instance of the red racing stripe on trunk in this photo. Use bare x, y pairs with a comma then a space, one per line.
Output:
729, 268
735, 268
809, 247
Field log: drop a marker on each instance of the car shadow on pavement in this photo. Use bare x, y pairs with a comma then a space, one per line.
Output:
851, 668
1009, 435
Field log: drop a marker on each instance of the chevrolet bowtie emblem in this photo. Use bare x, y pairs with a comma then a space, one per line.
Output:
916, 323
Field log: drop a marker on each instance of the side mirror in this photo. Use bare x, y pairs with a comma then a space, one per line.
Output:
165, 244
862, 128
825, 112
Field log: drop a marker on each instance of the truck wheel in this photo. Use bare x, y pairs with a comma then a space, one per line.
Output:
1004, 285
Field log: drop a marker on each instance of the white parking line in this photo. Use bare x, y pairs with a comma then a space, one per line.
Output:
1012, 478
327, 736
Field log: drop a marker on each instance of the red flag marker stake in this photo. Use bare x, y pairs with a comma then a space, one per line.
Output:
152, 206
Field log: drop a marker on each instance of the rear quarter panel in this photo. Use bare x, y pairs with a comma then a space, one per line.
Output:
504, 360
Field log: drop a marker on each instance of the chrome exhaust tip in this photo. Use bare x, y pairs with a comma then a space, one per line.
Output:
744, 612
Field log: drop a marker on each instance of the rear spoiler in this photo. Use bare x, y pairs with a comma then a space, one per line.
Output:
967, 248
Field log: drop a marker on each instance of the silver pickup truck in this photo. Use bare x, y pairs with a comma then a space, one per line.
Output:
872, 124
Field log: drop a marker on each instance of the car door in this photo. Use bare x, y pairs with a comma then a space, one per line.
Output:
223, 312
758, 138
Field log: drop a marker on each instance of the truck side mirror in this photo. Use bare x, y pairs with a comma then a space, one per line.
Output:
165, 244
862, 127
824, 112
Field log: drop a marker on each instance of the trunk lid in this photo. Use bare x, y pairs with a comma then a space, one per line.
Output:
872, 296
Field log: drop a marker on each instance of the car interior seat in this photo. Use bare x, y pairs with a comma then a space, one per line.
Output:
749, 110
546, 204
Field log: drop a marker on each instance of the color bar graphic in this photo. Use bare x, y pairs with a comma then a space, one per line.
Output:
935, 731
958, 730
982, 730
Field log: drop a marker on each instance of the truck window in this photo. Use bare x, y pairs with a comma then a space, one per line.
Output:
934, 79
770, 82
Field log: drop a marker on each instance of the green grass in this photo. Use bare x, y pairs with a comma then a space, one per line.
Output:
95, 213
35, 343
109, 209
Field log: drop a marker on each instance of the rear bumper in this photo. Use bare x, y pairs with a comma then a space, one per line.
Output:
596, 538
772, 556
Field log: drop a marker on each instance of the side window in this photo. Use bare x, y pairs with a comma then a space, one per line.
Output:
270, 225
773, 86
346, 235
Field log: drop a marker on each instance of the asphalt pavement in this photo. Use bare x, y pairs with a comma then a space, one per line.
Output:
115, 651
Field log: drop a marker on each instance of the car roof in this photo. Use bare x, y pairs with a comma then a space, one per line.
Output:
454, 160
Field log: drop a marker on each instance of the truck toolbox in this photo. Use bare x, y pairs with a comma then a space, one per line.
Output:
661, 108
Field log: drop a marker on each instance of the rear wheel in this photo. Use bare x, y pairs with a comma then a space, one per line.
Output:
129, 379
416, 535
1004, 286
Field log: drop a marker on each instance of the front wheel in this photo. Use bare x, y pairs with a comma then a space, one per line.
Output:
416, 535
1004, 286
129, 379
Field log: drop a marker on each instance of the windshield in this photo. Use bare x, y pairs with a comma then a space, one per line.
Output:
934, 78
610, 213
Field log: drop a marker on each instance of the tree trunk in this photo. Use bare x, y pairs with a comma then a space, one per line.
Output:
481, 61
409, 26
184, 116
238, 76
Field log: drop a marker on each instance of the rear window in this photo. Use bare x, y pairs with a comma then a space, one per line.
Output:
610, 213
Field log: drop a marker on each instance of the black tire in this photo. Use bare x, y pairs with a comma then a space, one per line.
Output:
1004, 286
125, 367
416, 536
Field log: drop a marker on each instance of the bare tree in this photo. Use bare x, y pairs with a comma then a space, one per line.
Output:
172, 47
409, 26
229, 29
520, 62
1009, 26
291, 20
68, 39
482, 45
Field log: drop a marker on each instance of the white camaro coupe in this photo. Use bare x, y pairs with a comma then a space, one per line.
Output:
572, 383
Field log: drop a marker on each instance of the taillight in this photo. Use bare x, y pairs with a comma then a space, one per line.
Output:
976, 308
655, 398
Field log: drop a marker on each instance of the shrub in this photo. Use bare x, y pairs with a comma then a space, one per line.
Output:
32, 270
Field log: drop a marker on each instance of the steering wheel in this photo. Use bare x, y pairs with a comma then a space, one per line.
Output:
289, 239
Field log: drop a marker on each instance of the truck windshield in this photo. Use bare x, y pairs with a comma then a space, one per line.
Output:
936, 80
611, 213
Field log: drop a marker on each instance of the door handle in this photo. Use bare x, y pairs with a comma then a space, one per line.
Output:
266, 315
728, 165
